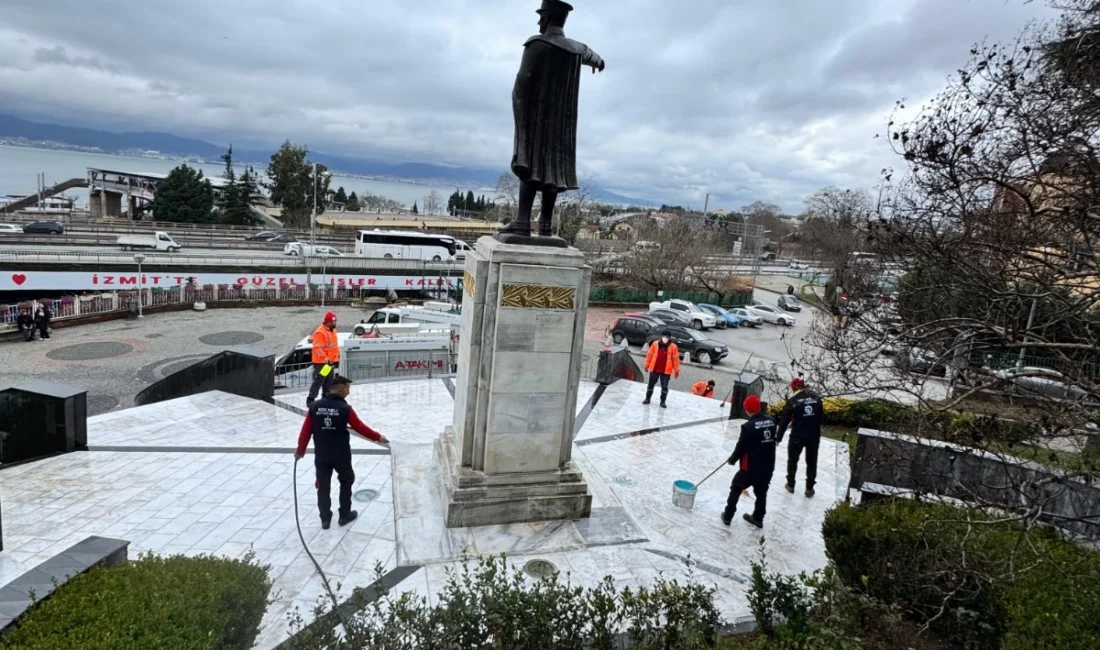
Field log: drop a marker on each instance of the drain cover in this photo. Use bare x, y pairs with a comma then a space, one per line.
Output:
540, 569
624, 480
365, 495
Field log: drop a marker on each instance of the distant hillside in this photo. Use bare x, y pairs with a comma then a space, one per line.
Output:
166, 143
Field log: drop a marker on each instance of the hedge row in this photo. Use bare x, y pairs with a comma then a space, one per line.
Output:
982, 584
154, 603
960, 428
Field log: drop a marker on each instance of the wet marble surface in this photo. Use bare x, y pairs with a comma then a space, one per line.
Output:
198, 475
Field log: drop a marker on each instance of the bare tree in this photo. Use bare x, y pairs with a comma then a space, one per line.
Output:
571, 209
432, 203
990, 235
664, 254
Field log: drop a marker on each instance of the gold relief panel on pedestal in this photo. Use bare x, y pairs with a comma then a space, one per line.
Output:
468, 283
533, 296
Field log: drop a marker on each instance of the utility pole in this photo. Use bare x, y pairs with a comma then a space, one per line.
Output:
313, 218
706, 204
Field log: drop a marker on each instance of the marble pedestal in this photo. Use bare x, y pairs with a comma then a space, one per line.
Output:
507, 457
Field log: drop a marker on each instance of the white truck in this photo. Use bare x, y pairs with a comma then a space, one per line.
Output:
700, 320
158, 240
390, 355
430, 315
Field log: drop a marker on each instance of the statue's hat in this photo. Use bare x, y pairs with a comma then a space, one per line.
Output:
554, 5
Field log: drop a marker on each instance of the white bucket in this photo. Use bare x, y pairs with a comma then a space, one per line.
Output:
683, 494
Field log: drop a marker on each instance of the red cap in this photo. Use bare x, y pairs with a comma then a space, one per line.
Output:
330, 317
752, 405
798, 384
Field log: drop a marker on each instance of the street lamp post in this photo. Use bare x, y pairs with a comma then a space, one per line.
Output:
324, 283
139, 258
313, 217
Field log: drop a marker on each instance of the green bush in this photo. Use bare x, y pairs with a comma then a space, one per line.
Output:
949, 426
490, 607
978, 582
154, 603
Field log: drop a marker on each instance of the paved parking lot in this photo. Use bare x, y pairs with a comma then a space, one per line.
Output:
773, 345
117, 359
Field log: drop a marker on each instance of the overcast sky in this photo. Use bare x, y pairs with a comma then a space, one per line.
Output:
744, 99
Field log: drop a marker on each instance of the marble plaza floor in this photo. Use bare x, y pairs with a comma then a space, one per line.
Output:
212, 474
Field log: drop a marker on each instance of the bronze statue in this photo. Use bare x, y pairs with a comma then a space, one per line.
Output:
544, 105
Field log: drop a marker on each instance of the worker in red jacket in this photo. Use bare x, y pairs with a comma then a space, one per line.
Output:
327, 422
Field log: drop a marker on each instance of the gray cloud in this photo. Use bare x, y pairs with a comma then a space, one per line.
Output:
742, 99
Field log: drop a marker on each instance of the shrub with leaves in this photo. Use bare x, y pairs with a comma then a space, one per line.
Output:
153, 603
487, 606
981, 582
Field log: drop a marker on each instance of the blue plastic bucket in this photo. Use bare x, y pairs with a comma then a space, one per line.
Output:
683, 494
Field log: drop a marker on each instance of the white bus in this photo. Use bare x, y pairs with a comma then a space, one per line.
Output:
405, 245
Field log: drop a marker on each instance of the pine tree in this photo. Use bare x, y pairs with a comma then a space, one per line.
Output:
469, 202
184, 196
414, 210
352, 202
341, 197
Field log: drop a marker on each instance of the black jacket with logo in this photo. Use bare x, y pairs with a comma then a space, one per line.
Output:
327, 423
755, 450
803, 414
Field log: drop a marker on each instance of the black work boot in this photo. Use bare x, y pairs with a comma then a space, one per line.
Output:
789, 487
726, 520
663, 405
326, 522
348, 518
648, 396
752, 520
809, 492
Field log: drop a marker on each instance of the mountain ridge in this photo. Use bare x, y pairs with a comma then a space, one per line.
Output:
173, 145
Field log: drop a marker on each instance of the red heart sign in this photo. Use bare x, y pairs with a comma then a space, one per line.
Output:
18, 279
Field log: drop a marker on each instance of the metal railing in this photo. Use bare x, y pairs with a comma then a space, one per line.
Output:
380, 366
176, 259
73, 307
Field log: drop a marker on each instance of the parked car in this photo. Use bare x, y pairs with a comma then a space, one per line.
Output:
724, 318
10, 229
767, 257
921, 361
789, 302
700, 319
671, 317
282, 239
772, 315
266, 235
694, 344
298, 248
748, 317
635, 328
796, 265
1032, 381
44, 228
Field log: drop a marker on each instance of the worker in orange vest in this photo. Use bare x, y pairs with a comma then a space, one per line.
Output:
661, 361
326, 357
703, 388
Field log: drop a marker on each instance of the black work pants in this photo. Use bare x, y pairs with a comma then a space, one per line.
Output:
320, 383
44, 331
28, 332
653, 377
345, 476
794, 451
743, 480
